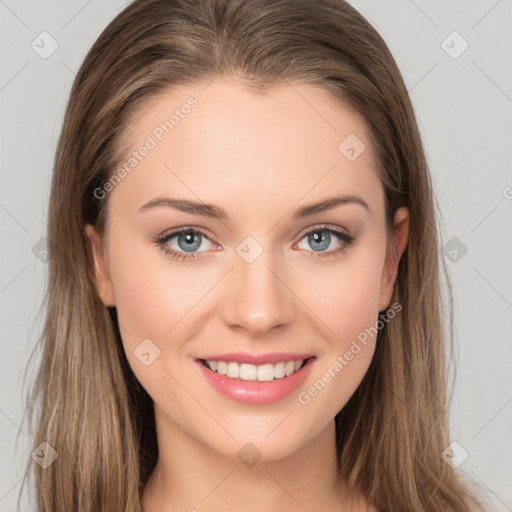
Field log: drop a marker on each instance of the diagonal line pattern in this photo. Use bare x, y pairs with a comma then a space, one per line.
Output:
298, 200
280, 423
484, 218
421, 79
300, 299
90, 409
13, 487
13, 77
218, 75
501, 409
165, 165
13, 279
76, 14
493, 287
217, 486
200, 299
432, 431
74, 73
491, 490
3, 3
15, 424
199, 403
485, 15
424, 14
14, 218
492, 81
286, 490
331, 126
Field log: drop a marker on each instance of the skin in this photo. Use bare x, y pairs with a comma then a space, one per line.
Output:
260, 157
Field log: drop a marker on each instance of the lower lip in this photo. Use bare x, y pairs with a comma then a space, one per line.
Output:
254, 392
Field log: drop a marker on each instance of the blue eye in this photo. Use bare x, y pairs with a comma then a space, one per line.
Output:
320, 238
189, 240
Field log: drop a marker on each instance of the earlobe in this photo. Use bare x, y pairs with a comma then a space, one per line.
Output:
399, 243
100, 271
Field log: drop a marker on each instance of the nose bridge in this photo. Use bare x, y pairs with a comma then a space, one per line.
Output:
257, 300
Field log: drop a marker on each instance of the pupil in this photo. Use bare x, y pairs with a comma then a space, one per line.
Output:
320, 237
191, 239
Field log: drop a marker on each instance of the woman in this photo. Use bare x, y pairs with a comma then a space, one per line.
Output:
244, 308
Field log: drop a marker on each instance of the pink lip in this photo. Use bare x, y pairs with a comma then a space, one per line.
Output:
253, 392
257, 359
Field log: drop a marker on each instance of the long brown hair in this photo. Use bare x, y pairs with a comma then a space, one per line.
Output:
90, 408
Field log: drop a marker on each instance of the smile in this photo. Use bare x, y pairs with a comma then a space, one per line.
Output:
261, 373
256, 384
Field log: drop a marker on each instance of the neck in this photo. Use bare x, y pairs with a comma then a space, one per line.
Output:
189, 476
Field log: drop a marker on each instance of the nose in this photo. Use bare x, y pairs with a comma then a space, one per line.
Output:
258, 298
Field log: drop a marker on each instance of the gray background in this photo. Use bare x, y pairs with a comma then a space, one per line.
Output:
464, 104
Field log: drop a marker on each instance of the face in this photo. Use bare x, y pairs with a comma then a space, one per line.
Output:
257, 274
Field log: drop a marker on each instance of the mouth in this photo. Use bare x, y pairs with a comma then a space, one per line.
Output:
251, 372
256, 384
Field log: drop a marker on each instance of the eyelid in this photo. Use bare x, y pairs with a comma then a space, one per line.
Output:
163, 238
327, 227
175, 231
170, 233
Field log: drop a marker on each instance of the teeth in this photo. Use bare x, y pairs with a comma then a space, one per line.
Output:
267, 372
279, 370
247, 372
262, 373
233, 370
222, 367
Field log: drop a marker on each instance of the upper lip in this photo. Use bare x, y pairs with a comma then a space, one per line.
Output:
257, 359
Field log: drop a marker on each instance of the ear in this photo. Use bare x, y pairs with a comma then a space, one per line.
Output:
398, 244
101, 273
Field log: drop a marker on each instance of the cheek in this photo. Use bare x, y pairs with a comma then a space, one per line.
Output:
141, 302
344, 296
149, 298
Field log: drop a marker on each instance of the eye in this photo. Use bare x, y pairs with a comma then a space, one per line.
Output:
187, 241
183, 243
320, 238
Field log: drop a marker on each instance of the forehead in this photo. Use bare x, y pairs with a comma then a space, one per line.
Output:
221, 141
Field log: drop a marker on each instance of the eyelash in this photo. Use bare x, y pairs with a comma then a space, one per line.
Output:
162, 240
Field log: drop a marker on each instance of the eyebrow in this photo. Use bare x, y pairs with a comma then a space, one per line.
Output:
210, 210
